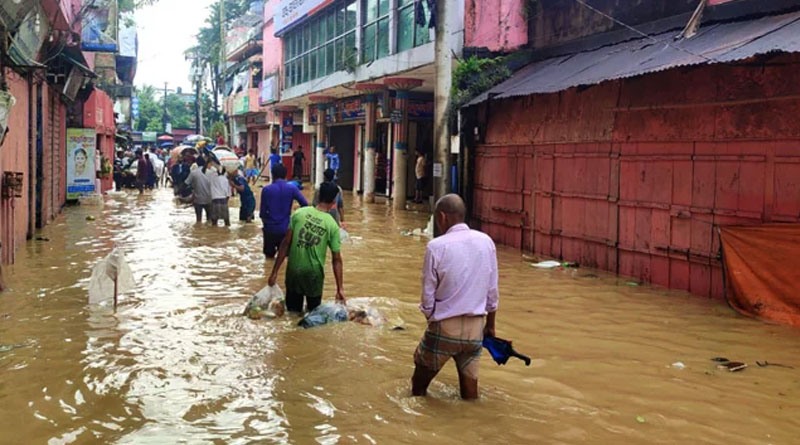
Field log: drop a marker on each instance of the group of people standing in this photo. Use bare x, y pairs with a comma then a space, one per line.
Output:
147, 164
209, 187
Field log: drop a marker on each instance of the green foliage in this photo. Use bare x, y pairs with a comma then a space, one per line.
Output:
217, 127
151, 110
475, 75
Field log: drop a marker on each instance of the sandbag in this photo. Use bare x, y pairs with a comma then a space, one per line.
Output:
105, 272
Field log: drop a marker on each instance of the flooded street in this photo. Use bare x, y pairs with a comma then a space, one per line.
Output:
178, 364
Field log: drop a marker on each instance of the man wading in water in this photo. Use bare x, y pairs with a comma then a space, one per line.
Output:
459, 289
311, 232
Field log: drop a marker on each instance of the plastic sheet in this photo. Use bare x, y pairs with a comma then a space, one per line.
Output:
761, 264
6, 102
324, 314
110, 269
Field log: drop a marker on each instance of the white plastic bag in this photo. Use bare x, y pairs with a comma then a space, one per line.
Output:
110, 269
268, 302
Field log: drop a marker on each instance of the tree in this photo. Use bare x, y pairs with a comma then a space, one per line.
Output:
208, 49
181, 112
149, 110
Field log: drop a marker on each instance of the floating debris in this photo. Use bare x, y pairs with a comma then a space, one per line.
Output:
778, 365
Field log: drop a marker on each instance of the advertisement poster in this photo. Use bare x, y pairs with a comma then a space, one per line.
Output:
127, 35
287, 126
100, 26
80, 162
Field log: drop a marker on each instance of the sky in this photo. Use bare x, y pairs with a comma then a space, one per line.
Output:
167, 29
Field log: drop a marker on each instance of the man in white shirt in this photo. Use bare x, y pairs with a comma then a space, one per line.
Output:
459, 290
220, 192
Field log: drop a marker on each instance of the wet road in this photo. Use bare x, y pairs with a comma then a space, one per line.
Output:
177, 364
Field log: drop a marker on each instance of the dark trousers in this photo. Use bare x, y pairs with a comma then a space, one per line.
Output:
294, 301
198, 211
272, 242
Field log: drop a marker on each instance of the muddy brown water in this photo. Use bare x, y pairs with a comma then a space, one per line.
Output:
177, 364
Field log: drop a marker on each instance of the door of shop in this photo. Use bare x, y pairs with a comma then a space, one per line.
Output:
344, 139
383, 169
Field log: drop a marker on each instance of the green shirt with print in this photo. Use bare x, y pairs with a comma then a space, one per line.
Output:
313, 232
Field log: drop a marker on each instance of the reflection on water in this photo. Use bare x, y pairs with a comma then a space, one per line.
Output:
176, 362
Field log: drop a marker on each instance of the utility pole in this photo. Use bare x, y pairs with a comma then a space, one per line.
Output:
199, 105
165, 116
222, 63
443, 60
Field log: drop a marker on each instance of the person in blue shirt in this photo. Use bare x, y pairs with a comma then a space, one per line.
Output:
274, 159
248, 200
333, 160
276, 208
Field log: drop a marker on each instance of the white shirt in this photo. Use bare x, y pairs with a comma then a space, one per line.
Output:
459, 275
220, 188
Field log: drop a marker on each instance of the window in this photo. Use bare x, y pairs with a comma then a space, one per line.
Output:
375, 30
323, 45
409, 33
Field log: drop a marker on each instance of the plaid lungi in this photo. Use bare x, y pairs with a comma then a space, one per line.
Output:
457, 337
219, 209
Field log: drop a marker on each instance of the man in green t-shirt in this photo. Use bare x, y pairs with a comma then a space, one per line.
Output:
311, 232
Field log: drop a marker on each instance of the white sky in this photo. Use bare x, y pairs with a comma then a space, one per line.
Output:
166, 30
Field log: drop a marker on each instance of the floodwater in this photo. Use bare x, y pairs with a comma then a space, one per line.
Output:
177, 363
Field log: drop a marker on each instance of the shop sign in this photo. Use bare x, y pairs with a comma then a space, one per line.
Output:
290, 12
259, 119
241, 104
351, 110
420, 109
287, 128
396, 117
100, 26
149, 136
81, 145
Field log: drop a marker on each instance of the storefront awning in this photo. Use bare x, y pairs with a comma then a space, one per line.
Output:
719, 43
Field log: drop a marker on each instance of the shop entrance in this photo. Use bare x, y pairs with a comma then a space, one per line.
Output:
344, 139
383, 169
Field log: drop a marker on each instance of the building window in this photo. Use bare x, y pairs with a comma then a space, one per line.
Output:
322, 45
409, 33
375, 35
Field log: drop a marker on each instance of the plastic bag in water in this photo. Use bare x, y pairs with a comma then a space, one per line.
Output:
324, 314
268, 301
110, 269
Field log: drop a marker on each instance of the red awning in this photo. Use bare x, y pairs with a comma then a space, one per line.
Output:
165, 137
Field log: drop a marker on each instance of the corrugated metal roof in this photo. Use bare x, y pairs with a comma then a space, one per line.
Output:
718, 43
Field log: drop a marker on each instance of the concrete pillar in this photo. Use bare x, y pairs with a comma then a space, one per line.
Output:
370, 131
401, 85
321, 103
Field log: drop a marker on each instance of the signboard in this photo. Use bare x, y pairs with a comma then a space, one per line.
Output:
351, 110
437, 170
396, 117
13, 13
241, 104
420, 109
267, 93
80, 162
135, 107
287, 127
149, 136
290, 12
100, 26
